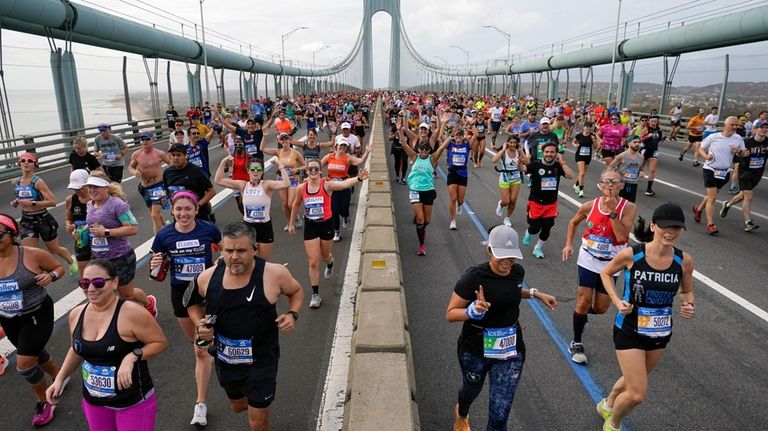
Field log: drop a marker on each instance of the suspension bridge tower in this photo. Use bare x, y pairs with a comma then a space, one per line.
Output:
371, 7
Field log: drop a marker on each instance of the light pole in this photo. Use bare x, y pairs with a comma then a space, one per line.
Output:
509, 45
441, 59
314, 53
465, 53
613, 56
282, 44
205, 55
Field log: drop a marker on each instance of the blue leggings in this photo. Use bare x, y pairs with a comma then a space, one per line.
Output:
505, 375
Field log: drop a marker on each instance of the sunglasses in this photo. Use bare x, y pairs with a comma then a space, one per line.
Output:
194, 134
3, 233
255, 168
98, 282
611, 181
313, 170
145, 138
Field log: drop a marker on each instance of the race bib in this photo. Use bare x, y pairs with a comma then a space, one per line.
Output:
197, 162
414, 197
756, 162
313, 208
458, 160
234, 351
156, 193
99, 244
631, 175
24, 192
187, 267
11, 298
174, 189
500, 343
254, 214
654, 322
510, 177
585, 151
721, 174
548, 183
99, 380
251, 149
110, 157
598, 246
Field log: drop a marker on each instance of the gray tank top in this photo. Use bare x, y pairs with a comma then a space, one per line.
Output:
20, 294
630, 169
311, 153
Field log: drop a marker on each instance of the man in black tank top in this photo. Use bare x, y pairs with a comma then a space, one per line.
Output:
240, 288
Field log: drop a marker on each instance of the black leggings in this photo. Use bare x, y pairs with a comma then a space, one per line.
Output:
541, 224
340, 206
401, 163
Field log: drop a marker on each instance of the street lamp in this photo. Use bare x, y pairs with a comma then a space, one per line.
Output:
509, 44
465, 53
205, 55
441, 59
282, 43
613, 56
315, 53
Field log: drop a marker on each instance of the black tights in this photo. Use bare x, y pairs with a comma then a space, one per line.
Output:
543, 225
401, 163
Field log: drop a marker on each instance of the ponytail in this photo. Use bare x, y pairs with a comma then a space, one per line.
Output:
642, 232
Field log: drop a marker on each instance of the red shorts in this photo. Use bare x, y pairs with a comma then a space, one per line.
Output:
536, 210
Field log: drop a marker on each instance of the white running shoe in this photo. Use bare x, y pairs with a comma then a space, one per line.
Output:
328, 273
459, 209
336, 236
200, 417
507, 222
344, 222
499, 210
315, 301
285, 228
453, 225
299, 222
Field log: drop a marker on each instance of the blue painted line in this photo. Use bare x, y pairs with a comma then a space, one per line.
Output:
593, 388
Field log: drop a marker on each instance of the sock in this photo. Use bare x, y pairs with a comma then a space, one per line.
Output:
577, 183
420, 228
540, 243
650, 185
579, 322
315, 289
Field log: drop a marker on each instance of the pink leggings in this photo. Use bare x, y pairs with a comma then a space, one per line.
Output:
140, 417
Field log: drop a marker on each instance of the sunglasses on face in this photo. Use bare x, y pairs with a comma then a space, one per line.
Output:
26, 161
611, 182
194, 134
255, 168
98, 282
145, 138
313, 170
3, 233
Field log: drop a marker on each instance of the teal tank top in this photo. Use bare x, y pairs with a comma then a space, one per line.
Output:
421, 178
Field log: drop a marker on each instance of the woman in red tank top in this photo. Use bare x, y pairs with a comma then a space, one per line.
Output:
338, 163
314, 200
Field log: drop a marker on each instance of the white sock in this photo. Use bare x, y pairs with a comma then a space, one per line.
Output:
539, 244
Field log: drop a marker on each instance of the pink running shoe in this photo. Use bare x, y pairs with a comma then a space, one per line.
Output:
43, 414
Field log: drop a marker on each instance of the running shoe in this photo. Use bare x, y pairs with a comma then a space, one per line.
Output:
336, 236
581, 193
452, 226
608, 427
43, 414
200, 416
696, 214
315, 301
696, 163
576, 188
285, 228
403, 181
577, 353
507, 222
459, 209
421, 251
733, 189
724, 209
499, 210
680, 158
650, 193
299, 221
603, 411
712, 229
397, 180
748, 227
152, 307
328, 273
538, 252
344, 222
527, 238
460, 423
3, 364
74, 271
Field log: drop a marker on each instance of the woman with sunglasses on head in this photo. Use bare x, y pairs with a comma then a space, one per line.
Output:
315, 202
111, 342
510, 177
110, 223
26, 310
187, 244
257, 200
34, 197
291, 161
655, 272
609, 223
338, 163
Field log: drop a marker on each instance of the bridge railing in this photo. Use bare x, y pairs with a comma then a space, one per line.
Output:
53, 148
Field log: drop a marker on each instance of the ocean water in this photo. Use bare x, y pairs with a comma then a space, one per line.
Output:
34, 111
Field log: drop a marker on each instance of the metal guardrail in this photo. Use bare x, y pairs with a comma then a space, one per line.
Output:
53, 148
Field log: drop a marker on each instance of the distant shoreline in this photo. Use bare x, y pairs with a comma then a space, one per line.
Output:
138, 112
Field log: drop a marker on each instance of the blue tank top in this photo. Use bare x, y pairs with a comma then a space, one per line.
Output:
27, 192
458, 156
421, 178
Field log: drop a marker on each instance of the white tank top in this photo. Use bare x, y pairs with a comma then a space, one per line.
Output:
255, 203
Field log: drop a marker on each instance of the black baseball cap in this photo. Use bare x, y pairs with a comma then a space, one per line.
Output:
178, 148
669, 215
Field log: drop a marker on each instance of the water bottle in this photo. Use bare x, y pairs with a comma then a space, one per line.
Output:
161, 271
199, 342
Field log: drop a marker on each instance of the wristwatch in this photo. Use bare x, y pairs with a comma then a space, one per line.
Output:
106, 231
138, 352
612, 215
294, 314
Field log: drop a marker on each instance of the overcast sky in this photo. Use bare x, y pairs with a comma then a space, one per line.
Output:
432, 26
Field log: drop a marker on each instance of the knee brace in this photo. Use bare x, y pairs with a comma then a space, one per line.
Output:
33, 375
43, 357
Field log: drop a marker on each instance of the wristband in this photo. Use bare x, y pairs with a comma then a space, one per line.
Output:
54, 275
532, 293
472, 312
359, 179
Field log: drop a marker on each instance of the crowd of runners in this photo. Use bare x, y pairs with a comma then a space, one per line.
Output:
217, 271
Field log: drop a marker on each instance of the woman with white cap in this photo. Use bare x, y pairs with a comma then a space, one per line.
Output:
34, 197
75, 210
338, 163
487, 299
643, 324
110, 223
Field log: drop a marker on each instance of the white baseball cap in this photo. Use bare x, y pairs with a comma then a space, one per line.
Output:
346, 126
77, 179
424, 125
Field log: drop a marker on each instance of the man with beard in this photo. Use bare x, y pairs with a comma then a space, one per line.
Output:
628, 164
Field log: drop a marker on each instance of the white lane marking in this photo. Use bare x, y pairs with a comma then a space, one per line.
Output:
738, 207
717, 287
331, 414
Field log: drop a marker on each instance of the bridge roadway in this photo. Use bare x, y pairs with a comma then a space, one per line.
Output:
304, 356
712, 374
